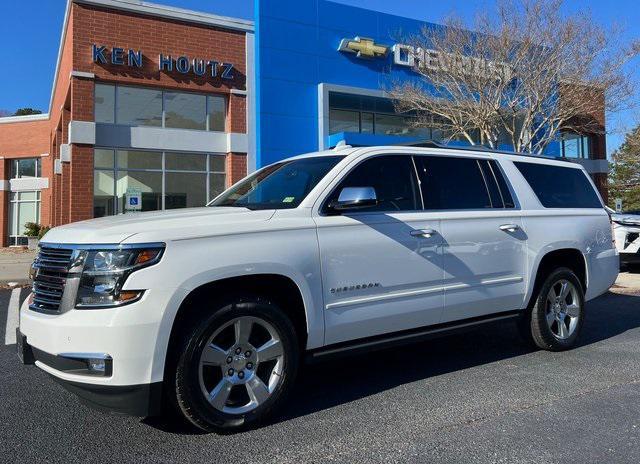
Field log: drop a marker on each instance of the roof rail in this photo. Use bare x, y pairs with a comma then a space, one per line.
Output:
433, 144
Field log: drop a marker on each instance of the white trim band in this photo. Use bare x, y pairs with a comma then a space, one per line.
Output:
26, 118
82, 74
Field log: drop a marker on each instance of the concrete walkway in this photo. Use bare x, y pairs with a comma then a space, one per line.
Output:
14, 266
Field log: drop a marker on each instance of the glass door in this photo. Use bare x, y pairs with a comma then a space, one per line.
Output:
23, 207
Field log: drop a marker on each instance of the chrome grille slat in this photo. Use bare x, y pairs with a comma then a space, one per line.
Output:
47, 293
48, 287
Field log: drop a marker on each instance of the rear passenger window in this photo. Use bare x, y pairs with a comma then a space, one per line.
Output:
452, 183
559, 187
492, 184
505, 193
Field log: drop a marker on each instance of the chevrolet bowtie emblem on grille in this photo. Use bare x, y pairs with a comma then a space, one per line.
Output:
363, 47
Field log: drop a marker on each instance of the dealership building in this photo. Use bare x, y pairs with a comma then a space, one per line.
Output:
154, 107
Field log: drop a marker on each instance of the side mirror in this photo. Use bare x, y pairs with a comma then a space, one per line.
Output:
355, 198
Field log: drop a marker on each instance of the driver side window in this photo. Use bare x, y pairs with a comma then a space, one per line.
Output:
392, 177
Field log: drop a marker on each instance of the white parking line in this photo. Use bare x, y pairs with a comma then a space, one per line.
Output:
12, 317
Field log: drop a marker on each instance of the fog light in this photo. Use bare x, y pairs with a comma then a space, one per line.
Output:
95, 364
99, 366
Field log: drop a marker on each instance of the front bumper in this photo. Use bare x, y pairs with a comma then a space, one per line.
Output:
135, 400
132, 337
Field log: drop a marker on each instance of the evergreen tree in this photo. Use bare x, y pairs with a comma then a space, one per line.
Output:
26, 111
624, 178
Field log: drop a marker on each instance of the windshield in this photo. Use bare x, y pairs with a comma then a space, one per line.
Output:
279, 186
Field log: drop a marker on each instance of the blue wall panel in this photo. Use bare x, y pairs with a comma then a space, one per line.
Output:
297, 49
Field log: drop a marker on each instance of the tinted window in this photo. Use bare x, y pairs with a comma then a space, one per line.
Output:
505, 192
492, 184
452, 183
560, 187
393, 179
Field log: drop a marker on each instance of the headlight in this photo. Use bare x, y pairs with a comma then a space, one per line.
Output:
105, 272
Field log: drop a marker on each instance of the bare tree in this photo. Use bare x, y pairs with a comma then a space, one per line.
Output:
5, 113
520, 75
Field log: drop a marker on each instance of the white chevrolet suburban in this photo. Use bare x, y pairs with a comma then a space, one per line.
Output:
207, 312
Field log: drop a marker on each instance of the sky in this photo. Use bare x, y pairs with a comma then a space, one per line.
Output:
30, 34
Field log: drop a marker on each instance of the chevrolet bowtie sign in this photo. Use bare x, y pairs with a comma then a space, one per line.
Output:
425, 59
363, 47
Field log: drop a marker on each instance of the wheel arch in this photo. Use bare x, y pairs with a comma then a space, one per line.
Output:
282, 289
571, 258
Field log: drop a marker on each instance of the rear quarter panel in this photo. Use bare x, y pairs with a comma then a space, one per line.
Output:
587, 230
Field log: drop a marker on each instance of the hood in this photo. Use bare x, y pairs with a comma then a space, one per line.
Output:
157, 226
626, 219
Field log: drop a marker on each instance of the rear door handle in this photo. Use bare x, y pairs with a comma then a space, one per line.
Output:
423, 233
509, 227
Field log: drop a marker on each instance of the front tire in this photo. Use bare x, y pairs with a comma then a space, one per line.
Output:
555, 318
236, 365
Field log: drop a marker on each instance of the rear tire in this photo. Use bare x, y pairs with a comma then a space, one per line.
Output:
234, 366
556, 314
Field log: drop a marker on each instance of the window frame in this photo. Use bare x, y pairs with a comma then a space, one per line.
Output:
15, 171
115, 170
324, 209
163, 91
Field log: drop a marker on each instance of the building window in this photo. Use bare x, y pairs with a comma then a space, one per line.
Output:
105, 103
344, 121
164, 180
216, 113
575, 145
185, 111
370, 115
23, 207
25, 167
137, 106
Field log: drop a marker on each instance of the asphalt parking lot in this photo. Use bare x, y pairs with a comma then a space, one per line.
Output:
474, 398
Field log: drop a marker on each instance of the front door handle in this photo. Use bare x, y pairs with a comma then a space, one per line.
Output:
423, 233
509, 227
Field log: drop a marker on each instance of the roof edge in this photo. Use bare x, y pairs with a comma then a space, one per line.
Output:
164, 11
26, 118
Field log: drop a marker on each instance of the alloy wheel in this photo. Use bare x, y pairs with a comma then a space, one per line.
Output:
241, 365
562, 309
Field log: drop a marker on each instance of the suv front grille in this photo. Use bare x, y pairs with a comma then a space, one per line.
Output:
52, 266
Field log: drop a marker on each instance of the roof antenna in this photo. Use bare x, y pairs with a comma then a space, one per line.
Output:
341, 145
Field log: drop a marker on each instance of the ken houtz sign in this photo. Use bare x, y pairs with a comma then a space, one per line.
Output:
182, 64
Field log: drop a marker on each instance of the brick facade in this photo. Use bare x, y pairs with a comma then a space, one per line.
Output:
70, 194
